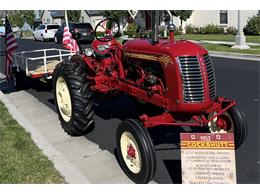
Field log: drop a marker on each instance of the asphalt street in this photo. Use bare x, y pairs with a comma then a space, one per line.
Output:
237, 79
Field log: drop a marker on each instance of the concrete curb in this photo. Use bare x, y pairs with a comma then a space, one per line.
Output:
235, 55
70, 173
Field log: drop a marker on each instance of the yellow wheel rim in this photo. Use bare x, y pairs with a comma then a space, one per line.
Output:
63, 99
213, 128
134, 161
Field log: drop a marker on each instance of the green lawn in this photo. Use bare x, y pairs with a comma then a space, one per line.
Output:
217, 37
20, 159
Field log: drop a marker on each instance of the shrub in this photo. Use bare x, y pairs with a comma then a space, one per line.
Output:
132, 30
253, 26
211, 29
190, 29
231, 30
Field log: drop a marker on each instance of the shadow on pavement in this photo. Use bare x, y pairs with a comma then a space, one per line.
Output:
174, 169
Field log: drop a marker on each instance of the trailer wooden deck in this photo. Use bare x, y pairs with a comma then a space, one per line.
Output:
40, 70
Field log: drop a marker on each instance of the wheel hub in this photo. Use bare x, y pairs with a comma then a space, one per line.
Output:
130, 152
223, 122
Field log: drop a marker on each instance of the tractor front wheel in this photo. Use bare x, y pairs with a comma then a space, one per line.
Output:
73, 98
231, 121
135, 151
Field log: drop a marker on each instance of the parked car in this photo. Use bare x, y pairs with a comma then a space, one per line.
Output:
85, 30
2, 31
45, 32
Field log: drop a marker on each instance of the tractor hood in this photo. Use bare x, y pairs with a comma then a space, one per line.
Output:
172, 48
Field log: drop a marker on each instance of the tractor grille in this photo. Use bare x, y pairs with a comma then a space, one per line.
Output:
211, 77
191, 78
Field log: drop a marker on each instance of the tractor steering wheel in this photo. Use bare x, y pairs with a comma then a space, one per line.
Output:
109, 28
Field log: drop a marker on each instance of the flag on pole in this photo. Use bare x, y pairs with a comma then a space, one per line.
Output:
68, 42
11, 46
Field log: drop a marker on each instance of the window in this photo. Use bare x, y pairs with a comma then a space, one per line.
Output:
49, 27
223, 16
42, 27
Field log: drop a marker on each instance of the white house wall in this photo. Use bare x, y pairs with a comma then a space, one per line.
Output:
46, 18
204, 17
244, 15
94, 20
85, 18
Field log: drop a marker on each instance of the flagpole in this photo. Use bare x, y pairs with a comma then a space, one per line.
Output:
6, 49
66, 19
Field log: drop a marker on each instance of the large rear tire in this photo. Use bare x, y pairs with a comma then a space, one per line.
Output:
73, 98
233, 121
135, 149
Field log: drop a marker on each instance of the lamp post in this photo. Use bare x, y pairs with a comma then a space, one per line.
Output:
240, 37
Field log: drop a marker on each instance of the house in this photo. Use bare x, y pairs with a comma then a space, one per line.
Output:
222, 18
37, 19
53, 17
91, 16
143, 19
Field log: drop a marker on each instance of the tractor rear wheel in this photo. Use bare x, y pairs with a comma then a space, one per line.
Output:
231, 121
73, 98
135, 149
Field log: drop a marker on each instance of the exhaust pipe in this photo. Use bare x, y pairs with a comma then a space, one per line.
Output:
155, 26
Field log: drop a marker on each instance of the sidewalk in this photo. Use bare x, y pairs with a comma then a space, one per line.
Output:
78, 159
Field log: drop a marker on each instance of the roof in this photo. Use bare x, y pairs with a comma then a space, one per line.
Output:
57, 13
94, 12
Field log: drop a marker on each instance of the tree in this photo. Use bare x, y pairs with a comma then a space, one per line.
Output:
183, 14
114, 14
17, 18
253, 26
74, 15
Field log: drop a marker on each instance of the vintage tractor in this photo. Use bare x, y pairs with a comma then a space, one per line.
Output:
177, 76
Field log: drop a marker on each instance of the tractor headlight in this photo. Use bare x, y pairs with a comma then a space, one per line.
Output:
89, 52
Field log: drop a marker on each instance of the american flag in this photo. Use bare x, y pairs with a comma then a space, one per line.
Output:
68, 42
11, 46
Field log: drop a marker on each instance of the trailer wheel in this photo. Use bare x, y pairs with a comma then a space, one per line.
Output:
20, 80
231, 121
73, 98
135, 149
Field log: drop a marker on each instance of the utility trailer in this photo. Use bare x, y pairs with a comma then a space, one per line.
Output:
37, 64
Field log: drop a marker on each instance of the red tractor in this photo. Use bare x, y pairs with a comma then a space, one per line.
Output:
177, 76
